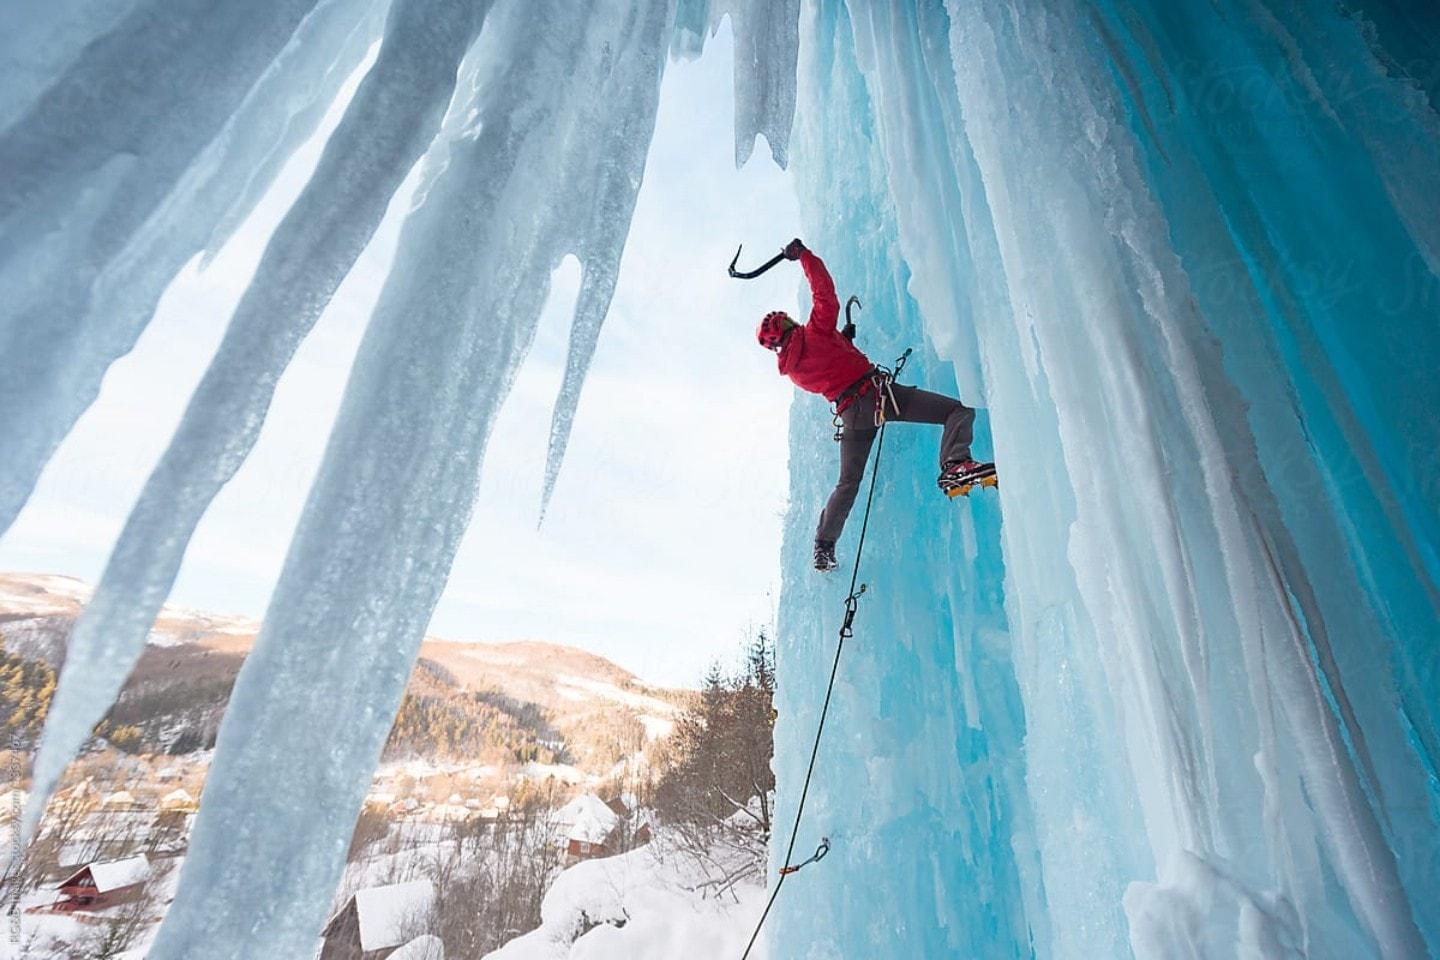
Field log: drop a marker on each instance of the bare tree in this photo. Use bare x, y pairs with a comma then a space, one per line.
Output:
62, 828
119, 930
490, 888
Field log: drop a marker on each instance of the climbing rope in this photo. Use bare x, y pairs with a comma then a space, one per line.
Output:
852, 602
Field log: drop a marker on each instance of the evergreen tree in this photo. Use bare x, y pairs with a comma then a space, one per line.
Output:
724, 746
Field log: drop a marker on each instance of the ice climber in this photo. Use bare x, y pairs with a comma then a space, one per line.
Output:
824, 360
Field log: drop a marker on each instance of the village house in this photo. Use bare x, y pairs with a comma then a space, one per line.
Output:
102, 884
586, 828
377, 921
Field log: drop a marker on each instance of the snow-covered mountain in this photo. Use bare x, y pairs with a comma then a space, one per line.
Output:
578, 708
38, 610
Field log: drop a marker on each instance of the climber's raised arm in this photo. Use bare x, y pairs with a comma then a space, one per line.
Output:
826, 305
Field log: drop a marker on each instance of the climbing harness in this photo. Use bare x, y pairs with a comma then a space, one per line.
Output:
882, 381
847, 630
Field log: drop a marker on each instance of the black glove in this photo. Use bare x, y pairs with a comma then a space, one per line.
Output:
793, 249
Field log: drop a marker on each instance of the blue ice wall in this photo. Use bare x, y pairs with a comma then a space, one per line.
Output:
920, 785
1182, 700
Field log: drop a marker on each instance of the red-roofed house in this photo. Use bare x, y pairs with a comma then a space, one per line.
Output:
103, 884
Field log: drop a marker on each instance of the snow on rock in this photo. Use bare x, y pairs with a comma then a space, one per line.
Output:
637, 906
656, 727
573, 686
586, 818
41, 594
427, 947
388, 914
178, 799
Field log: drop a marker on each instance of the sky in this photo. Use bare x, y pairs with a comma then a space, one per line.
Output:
660, 549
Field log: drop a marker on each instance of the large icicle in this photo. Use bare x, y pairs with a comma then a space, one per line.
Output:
316, 697
117, 174
766, 47
615, 163
38, 44
767, 41
392, 119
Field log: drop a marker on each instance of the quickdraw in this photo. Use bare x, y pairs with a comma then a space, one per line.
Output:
815, 857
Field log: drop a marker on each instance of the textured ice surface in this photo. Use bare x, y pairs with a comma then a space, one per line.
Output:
119, 184
390, 122
125, 167
501, 206
1183, 702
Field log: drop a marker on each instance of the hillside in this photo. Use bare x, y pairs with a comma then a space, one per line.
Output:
512, 703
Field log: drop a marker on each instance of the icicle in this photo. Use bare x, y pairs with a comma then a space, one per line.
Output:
315, 699
766, 45
692, 27
37, 45
617, 175
767, 41
112, 188
392, 119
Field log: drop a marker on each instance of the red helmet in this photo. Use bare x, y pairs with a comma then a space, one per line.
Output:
772, 329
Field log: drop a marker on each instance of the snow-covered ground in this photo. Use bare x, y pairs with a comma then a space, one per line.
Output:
42, 935
641, 905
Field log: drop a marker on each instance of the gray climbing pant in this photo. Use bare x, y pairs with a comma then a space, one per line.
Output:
916, 406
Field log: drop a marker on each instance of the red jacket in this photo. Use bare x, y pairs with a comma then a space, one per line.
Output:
816, 356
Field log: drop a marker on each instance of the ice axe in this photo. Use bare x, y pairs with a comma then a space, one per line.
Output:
752, 274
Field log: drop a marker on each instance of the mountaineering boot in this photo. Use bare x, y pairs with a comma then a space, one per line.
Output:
825, 556
960, 476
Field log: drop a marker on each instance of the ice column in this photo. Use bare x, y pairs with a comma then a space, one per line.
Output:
316, 698
1190, 254
119, 172
390, 122
920, 781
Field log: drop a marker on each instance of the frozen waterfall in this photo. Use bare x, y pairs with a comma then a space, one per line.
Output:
1175, 691
1183, 701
